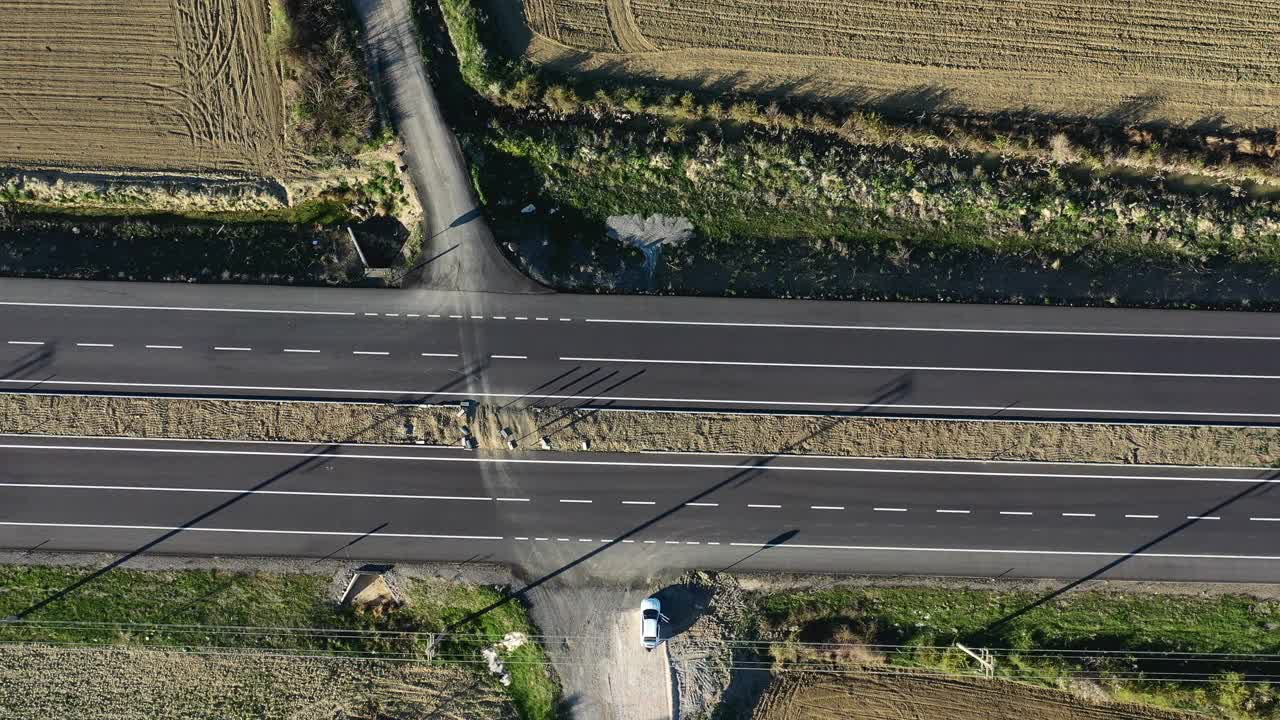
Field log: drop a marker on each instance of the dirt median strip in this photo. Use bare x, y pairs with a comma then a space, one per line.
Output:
612, 430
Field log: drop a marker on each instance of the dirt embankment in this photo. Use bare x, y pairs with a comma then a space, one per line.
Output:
42, 681
904, 695
630, 431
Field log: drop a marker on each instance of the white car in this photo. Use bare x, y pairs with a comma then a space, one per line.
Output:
650, 617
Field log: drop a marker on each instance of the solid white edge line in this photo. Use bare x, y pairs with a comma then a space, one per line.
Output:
906, 328
587, 463
176, 308
624, 398
237, 491
215, 441
782, 546
1002, 551
947, 461
923, 368
250, 531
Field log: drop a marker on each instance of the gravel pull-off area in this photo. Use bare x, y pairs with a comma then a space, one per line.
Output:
593, 640
122, 684
894, 695
633, 431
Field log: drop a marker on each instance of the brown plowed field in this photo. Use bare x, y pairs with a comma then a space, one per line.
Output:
909, 696
156, 85
1178, 61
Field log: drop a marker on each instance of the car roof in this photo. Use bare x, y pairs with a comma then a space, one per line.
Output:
651, 604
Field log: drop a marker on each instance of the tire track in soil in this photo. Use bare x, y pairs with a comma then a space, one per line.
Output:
624, 28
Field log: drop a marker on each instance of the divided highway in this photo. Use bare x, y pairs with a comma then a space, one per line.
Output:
639, 513
982, 361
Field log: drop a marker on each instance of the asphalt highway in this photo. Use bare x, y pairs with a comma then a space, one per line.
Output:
978, 361
639, 513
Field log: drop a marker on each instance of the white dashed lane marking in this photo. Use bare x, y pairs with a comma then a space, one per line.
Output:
1203, 517
232, 349
26, 342
1015, 512
639, 502
95, 345
439, 355
826, 507
369, 352
1079, 514
953, 512
299, 350
766, 507
702, 504
509, 357
571, 500
889, 509
1143, 517
164, 347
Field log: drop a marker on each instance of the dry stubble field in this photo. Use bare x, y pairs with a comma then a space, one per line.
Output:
1176, 61
917, 696
152, 85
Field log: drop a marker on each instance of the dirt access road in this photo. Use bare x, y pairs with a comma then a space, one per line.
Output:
460, 252
604, 671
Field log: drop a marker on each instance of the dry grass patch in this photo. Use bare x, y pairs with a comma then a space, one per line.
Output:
227, 419
632, 431
1179, 61
158, 85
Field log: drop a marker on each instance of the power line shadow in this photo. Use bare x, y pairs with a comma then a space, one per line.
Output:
1261, 487
750, 466
69, 589
313, 461
32, 361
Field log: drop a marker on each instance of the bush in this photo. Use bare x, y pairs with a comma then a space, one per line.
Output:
335, 113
